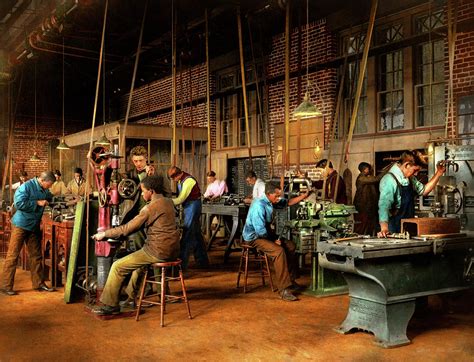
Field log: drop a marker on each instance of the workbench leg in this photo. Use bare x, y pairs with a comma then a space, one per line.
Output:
230, 242
388, 322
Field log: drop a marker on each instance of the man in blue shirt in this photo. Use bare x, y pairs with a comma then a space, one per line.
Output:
257, 234
398, 189
30, 201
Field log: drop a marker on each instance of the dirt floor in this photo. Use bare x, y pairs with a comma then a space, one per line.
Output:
227, 326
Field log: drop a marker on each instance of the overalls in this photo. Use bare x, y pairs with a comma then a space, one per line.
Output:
192, 241
406, 209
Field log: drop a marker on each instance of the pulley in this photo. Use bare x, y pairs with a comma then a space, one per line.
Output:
127, 188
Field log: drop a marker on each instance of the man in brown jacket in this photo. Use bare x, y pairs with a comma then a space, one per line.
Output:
162, 243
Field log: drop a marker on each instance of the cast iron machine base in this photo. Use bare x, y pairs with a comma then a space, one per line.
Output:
386, 276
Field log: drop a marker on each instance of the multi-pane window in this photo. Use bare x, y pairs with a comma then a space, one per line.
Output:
390, 91
429, 77
227, 120
354, 44
390, 82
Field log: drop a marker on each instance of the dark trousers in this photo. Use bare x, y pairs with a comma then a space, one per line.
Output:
32, 241
278, 255
192, 240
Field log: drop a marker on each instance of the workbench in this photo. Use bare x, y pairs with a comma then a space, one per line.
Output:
238, 213
386, 276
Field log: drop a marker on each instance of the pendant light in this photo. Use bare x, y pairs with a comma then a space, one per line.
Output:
35, 142
63, 145
103, 140
307, 108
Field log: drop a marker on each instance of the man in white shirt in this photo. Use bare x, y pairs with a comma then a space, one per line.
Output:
258, 187
215, 187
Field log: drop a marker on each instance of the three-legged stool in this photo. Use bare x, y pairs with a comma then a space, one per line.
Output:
162, 280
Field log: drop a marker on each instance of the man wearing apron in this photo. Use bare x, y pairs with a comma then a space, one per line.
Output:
398, 189
189, 195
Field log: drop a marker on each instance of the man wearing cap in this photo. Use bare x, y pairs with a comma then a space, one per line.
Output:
189, 195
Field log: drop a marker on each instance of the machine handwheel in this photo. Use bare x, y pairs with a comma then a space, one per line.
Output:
127, 188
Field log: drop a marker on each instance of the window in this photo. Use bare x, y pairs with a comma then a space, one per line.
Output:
354, 44
227, 116
390, 91
390, 82
429, 77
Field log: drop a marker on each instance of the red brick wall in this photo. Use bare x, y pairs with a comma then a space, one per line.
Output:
24, 144
322, 47
463, 72
155, 98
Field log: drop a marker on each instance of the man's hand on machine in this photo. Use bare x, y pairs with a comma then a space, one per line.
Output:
99, 236
383, 233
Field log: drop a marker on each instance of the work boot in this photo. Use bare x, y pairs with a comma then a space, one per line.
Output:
8, 292
287, 295
106, 310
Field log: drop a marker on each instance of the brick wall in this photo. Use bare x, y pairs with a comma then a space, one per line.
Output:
322, 47
24, 144
463, 72
152, 103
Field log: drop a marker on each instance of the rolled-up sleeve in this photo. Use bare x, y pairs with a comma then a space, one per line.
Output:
388, 192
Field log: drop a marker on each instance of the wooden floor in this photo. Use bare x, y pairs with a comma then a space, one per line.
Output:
227, 326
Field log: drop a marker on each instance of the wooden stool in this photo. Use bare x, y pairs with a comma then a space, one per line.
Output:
260, 258
163, 298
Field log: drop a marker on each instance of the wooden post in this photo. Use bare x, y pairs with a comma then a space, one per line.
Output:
208, 98
244, 87
286, 153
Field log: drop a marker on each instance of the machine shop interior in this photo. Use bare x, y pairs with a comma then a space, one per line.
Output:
248, 180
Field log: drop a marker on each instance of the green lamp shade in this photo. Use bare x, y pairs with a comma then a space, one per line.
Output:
63, 145
34, 157
307, 108
103, 141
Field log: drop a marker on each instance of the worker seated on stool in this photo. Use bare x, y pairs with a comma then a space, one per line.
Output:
162, 243
258, 234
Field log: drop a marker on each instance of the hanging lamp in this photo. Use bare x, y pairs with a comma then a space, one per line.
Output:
35, 143
307, 108
62, 144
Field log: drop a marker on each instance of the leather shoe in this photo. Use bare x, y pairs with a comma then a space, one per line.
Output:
294, 285
44, 288
128, 303
8, 292
107, 310
287, 295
